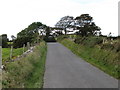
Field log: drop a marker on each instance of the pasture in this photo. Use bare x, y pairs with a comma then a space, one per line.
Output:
6, 53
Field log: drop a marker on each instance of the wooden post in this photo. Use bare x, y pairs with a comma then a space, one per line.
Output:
28, 45
103, 41
0, 55
37, 40
11, 51
23, 48
0, 62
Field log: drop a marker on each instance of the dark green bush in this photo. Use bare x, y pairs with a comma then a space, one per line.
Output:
89, 41
59, 38
49, 39
19, 42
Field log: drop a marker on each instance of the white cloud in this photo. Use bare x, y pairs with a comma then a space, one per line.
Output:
18, 14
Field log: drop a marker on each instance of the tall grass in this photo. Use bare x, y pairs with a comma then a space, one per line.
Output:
27, 72
107, 61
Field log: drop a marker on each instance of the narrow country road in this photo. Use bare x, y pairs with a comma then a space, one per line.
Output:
66, 70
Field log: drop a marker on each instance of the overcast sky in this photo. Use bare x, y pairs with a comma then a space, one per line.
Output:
15, 15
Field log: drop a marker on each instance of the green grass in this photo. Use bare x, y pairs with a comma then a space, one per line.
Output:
27, 72
10, 43
103, 59
6, 53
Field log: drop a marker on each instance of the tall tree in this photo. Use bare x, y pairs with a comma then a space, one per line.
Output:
64, 23
86, 25
29, 34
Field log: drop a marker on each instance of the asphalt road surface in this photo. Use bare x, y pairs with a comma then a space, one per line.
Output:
66, 70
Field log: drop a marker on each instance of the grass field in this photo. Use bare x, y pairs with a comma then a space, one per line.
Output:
6, 53
28, 72
107, 61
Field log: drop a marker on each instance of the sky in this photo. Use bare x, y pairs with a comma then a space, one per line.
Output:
16, 15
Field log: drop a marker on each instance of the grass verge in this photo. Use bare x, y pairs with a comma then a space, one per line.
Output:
27, 72
103, 59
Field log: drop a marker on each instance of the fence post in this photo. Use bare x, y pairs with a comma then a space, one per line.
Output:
28, 45
103, 41
0, 55
0, 68
0, 62
23, 48
11, 51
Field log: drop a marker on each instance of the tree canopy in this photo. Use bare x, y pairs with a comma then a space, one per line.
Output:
84, 23
29, 34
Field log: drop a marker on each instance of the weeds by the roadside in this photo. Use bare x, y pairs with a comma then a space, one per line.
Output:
27, 72
107, 61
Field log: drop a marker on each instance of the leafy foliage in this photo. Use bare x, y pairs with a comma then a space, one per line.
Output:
64, 23
27, 72
84, 23
29, 34
106, 60
88, 41
20, 41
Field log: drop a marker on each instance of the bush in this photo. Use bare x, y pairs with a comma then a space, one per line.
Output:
107, 61
18, 43
88, 41
111, 47
27, 72
49, 39
59, 38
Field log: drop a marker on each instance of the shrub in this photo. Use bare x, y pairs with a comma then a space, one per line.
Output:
49, 39
62, 37
107, 61
27, 72
88, 41
111, 47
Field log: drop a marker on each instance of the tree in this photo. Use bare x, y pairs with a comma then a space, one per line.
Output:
57, 31
13, 37
29, 34
20, 41
42, 30
64, 23
86, 25
31, 30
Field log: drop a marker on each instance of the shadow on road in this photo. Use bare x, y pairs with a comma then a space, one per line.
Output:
50, 39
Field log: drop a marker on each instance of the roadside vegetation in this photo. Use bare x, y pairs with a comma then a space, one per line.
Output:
24, 70
84, 38
27, 72
6, 53
104, 56
85, 41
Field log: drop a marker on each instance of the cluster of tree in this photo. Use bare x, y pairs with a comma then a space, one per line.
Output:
83, 23
30, 34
